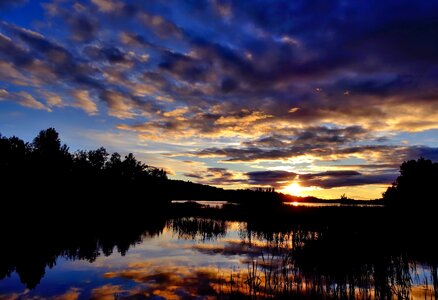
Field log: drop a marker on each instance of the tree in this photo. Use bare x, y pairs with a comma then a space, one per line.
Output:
98, 158
157, 173
114, 164
416, 185
14, 154
80, 161
47, 143
131, 167
48, 153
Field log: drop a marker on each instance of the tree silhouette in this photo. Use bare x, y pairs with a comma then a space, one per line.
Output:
131, 168
13, 156
98, 158
114, 164
48, 168
47, 143
416, 185
49, 158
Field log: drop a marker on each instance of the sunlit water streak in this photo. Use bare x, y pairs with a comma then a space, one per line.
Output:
330, 204
220, 204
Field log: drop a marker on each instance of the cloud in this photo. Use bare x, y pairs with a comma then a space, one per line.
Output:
332, 179
3, 93
248, 154
107, 5
169, 282
24, 99
200, 123
106, 292
273, 62
46, 59
184, 67
5, 3
136, 40
83, 28
311, 137
250, 82
325, 180
53, 62
119, 105
84, 101
52, 99
422, 151
27, 100
160, 26
109, 54
268, 142
373, 153
36, 41
71, 294
229, 84
217, 176
281, 179
230, 248
11, 51
271, 178
11, 74
273, 67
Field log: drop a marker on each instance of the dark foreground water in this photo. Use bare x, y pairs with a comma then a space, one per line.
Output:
206, 258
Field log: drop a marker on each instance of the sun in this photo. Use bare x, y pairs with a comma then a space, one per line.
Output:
294, 189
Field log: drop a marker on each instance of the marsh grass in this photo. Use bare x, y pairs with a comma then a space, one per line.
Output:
278, 274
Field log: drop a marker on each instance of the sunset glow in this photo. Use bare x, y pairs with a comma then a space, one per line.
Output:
228, 93
294, 189
256, 149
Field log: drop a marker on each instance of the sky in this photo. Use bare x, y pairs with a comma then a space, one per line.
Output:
312, 97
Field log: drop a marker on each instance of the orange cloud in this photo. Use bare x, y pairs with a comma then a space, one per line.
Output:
24, 99
84, 102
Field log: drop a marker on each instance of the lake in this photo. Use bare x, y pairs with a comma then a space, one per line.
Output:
220, 204
205, 258
329, 204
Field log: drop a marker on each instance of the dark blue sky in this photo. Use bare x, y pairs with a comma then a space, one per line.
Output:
332, 95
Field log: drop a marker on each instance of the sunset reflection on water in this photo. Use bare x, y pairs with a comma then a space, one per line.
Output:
195, 257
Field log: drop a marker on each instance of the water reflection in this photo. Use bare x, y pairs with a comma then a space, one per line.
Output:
198, 228
329, 204
190, 257
29, 251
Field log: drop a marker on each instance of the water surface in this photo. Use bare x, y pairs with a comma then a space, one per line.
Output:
204, 257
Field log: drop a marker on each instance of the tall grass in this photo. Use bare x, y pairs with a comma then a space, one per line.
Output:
277, 274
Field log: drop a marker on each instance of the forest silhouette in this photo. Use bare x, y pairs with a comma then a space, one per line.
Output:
46, 169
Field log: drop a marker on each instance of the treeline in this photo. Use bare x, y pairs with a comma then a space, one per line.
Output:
45, 167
